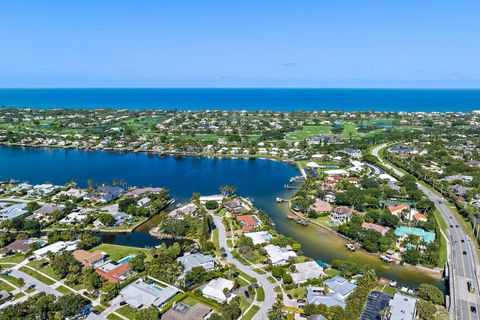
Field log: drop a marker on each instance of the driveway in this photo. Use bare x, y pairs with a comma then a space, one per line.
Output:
268, 287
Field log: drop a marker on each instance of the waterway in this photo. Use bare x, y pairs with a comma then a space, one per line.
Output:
259, 179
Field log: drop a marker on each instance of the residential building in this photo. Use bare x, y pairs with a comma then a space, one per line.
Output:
182, 212
398, 210
402, 307
375, 227
341, 214
317, 296
90, 259
340, 286
190, 261
55, 247
425, 236
259, 237
235, 206
249, 222
140, 294
13, 211
305, 271
279, 256
320, 206
215, 290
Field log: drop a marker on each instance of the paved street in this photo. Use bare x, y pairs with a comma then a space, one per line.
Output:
268, 287
463, 267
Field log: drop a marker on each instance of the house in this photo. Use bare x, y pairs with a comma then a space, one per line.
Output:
459, 190
55, 247
141, 191
72, 193
42, 189
312, 165
402, 307
320, 206
401, 149
22, 246
279, 256
190, 261
4, 295
259, 237
90, 259
104, 194
398, 210
235, 206
181, 311
341, 214
336, 172
140, 294
375, 227
340, 286
215, 290
182, 212
352, 152
305, 271
248, 221
420, 217
44, 211
13, 211
425, 236
459, 177
317, 296
115, 272
143, 202
217, 198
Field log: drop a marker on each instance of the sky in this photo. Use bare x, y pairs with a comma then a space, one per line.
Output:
230, 43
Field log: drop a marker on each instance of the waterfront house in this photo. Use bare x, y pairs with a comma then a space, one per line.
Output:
104, 194
341, 214
259, 237
71, 193
143, 295
45, 211
340, 286
248, 221
375, 227
278, 256
235, 206
13, 211
141, 191
305, 271
402, 307
115, 272
215, 290
90, 259
187, 210
216, 197
403, 232
336, 172
320, 206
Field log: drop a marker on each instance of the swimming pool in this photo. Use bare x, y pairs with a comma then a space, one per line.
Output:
124, 260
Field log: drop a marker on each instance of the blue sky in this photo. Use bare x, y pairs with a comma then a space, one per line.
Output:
240, 43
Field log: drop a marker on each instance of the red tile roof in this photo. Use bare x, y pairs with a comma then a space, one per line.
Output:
115, 274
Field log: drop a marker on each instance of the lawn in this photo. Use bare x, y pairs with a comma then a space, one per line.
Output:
215, 238
251, 313
117, 252
297, 293
46, 269
37, 275
6, 286
307, 131
16, 258
11, 279
244, 275
349, 130
127, 312
113, 316
190, 301
64, 290
260, 294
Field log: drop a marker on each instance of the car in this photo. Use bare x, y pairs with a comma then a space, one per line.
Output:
247, 295
473, 309
95, 311
290, 296
462, 240
451, 226
464, 253
451, 217
31, 286
303, 315
43, 264
301, 301
301, 306
456, 226
122, 303
255, 285
31, 258
224, 255
236, 274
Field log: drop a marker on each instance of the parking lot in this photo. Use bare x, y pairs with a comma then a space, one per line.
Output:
376, 302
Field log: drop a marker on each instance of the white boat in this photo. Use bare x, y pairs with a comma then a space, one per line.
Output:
350, 247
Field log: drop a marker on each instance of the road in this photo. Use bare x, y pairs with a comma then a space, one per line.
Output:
462, 267
262, 281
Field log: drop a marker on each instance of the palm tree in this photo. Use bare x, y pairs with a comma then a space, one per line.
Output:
90, 184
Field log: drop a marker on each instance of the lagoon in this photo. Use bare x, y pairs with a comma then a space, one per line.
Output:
259, 179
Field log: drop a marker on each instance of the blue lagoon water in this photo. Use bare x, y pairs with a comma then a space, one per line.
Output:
441, 100
259, 179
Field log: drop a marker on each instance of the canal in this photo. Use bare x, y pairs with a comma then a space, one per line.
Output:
259, 179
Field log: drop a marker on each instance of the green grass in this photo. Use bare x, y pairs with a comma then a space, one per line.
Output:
11, 279
244, 275
113, 316
117, 252
251, 313
271, 279
260, 294
37, 275
259, 271
16, 258
215, 238
349, 130
6, 286
46, 269
127, 312
64, 290
332, 272
277, 289
190, 301
230, 243
299, 292
307, 131
18, 295
98, 308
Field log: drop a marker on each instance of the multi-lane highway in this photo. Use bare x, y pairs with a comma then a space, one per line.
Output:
462, 256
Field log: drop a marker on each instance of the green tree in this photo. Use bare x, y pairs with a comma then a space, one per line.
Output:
431, 293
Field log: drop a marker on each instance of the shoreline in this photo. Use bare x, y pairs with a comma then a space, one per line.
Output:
437, 272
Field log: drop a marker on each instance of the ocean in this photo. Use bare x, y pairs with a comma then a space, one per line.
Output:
409, 100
